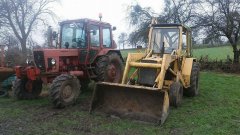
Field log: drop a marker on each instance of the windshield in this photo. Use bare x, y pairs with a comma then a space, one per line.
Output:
73, 36
170, 37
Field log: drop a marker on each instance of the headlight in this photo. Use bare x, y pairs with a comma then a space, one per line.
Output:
27, 61
53, 61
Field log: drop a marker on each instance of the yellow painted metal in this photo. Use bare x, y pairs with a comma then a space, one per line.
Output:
126, 99
131, 101
144, 65
183, 81
172, 71
134, 74
186, 70
132, 57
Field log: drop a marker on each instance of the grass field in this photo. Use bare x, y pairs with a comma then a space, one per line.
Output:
215, 111
219, 53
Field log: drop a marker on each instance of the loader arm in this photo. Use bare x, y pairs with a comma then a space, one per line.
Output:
132, 57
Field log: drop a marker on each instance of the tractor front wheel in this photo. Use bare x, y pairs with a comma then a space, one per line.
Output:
64, 90
27, 89
193, 90
175, 94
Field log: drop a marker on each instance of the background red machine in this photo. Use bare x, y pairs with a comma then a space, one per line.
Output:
85, 50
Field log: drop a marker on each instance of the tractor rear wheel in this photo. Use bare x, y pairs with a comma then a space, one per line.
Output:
109, 68
27, 89
193, 90
64, 90
175, 94
101, 64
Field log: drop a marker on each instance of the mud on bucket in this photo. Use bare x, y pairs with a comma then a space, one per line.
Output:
130, 101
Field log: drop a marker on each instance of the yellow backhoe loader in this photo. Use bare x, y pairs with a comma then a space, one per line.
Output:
153, 80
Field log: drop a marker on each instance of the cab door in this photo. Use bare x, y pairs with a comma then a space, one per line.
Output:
94, 41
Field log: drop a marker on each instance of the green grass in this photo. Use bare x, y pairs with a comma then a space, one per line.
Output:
219, 53
125, 52
215, 111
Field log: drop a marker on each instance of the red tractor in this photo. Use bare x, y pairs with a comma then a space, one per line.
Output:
86, 51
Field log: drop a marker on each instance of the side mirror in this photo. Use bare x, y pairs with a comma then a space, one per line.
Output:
114, 28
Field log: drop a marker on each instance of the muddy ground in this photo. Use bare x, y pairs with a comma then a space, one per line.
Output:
215, 110
39, 117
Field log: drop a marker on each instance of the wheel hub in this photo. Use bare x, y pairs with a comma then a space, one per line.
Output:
67, 92
112, 72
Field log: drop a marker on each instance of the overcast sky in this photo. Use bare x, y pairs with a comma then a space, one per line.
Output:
113, 11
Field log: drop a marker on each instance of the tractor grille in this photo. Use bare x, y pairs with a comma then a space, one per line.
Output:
39, 60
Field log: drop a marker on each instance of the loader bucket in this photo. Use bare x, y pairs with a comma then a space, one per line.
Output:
129, 101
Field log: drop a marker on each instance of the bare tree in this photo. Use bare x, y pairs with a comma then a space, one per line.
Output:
122, 39
21, 16
223, 18
9, 39
179, 11
175, 11
139, 19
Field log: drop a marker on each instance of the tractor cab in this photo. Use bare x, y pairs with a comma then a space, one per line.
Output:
170, 38
84, 33
88, 36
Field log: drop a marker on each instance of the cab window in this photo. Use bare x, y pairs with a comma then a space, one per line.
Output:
106, 37
73, 35
94, 36
184, 41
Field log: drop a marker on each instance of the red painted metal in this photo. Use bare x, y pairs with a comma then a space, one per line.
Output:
32, 72
77, 73
67, 60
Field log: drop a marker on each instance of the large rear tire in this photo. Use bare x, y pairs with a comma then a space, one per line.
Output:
101, 64
109, 68
175, 94
64, 90
193, 90
27, 89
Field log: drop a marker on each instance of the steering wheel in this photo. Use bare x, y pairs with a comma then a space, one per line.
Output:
80, 42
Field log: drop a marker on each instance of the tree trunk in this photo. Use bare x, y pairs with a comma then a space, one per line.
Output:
24, 46
236, 53
24, 50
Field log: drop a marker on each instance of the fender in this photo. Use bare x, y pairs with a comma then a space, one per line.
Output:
187, 69
30, 72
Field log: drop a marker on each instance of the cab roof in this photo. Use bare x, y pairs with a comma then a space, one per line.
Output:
171, 25
87, 20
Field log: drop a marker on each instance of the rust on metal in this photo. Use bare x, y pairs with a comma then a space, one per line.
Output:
128, 101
